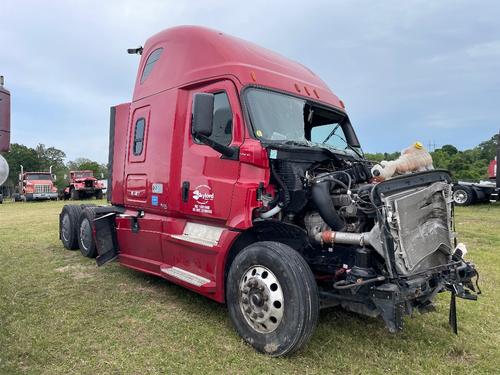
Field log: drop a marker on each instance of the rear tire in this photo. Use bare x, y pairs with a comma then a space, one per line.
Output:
68, 226
75, 195
86, 241
272, 298
98, 194
463, 195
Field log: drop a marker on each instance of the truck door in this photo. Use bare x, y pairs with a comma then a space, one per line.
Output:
207, 178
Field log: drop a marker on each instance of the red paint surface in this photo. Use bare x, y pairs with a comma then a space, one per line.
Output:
492, 169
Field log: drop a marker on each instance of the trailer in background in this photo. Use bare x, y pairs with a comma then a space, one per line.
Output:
466, 193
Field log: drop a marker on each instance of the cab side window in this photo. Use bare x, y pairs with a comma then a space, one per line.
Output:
139, 136
222, 120
150, 63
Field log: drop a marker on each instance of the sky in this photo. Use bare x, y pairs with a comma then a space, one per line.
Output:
406, 70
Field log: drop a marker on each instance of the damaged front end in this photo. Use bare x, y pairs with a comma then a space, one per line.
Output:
408, 256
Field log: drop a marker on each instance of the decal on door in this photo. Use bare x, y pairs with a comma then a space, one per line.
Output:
157, 188
203, 197
154, 200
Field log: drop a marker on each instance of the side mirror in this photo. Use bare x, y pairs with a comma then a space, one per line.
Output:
65, 176
203, 109
54, 177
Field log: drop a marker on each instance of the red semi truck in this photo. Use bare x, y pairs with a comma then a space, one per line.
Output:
236, 173
82, 184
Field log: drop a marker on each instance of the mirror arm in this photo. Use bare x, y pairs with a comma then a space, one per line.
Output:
228, 152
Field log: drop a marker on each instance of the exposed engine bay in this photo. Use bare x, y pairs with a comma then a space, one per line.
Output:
379, 249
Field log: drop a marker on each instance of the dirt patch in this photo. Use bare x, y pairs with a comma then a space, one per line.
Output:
77, 271
462, 355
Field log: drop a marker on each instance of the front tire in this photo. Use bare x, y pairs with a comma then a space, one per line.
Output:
463, 195
98, 194
75, 195
272, 298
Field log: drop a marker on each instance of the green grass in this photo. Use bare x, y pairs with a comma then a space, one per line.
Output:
60, 314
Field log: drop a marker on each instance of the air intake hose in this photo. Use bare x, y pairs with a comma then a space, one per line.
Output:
323, 200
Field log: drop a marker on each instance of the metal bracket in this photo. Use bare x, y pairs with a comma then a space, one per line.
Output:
135, 221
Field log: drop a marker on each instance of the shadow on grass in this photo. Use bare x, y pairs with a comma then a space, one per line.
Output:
334, 322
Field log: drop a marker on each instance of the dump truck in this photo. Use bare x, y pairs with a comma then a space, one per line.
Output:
237, 174
35, 186
82, 185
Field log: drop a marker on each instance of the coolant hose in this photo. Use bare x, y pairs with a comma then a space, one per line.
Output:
271, 212
286, 195
323, 200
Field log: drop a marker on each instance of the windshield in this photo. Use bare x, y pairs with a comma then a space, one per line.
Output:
278, 117
38, 176
83, 174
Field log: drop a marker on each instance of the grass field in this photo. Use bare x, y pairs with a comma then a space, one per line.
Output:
59, 314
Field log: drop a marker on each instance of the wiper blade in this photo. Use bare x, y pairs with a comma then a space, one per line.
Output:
331, 133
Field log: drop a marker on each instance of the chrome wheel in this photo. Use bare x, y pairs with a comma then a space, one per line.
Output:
261, 299
85, 234
460, 196
66, 227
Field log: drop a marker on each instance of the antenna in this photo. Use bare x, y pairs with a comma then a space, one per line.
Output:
1, 81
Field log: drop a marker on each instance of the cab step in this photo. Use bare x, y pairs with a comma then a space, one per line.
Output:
189, 278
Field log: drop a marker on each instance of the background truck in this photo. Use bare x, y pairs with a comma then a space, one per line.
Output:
4, 133
82, 184
237, 174
36, 186
466, 193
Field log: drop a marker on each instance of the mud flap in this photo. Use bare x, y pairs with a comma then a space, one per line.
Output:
105, 238
452, 319
458, 290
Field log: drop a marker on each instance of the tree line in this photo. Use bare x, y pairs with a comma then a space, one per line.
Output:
40, 158
469, 164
